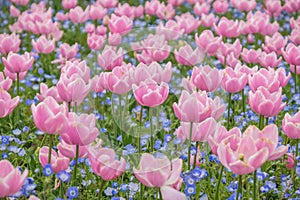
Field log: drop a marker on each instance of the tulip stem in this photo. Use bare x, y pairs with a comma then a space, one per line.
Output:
75, 166
219, 183
195, 157
228, 111
50, 150
18, 94
151, 129
100, 188
160, 195
243, 102
295, 85
190, 145
254, 185
239, 188
261, 122
140, 129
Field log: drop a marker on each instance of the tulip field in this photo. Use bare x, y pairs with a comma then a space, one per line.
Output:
158, 99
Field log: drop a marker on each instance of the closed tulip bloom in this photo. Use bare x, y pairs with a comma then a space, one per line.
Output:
269, 60
171, 30
187, 22
58, 162
50, 117
68, 4
68, 51
200, 131
114, 39
251, 55
227, 48
227, 28
16, 63
95, 41
266, 103
243, 5
161, 173
208, 43
217, 107
43, 45
9, 43
208, 20
187, 56
5, 83
292, 54
149, 93
82, 129
13, 76
7, 104
201, 8
120, 24
104, 163
110, 57
233, 80
151, 7
206, 78
193, 107
165, 12
273, 7
290, 161
220, 6
96, 12
69, 151
125, 9
294, 37
108, 3
11, 179
45, 92
20, 2
78, 15
290, 125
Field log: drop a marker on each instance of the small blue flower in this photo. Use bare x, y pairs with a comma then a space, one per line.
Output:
157, 144
5, 139
189, 180
123, 187
168, 138
63, 176
72, 192
47, 170
190, 190
4, 155
265, 188
114, 184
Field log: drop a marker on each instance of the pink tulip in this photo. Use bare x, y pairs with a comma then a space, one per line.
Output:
266, 103
165, 12
187, 56
69, 151
62, 16
58, 162
201, 8
68, 51
43, 45
7, 104
200, 131
5, 83
291, 6
73, 88
151, 7
251, 55
235, 48
90, 28
294, 36
68, 4
101, 30
125, 9
290, 161
118, 80
114, 39
233, 80
231, 60
295, 23
175, 2
274, 43
217, 107
215, 138
96, 12
152, 71
208, 20
269, 79
193, 107
110, 57
290, 125
20, 2
138, 11
78, 15
220, 6
9, 43
187, 22
273, 7
95, 41
206, 78
207, 42
50, 117
243, 5
105, 165
108, 3
16, 63
45, 92
13, 76
121, 25
292, 54
241, 155
11, 179
14, 12
227, 28
82, 129
269, 60
188, 85
149, 93
161, 173
77, 67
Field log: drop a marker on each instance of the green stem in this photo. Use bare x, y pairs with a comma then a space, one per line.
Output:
100, 188
261, 122
243, 102
151, 129
219, 183
190, 145
228, 111
239, 187
140, 129
50, 149
195, 157
18, 94
295, 85
75, 166
160, 195
121, 118
254, 185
